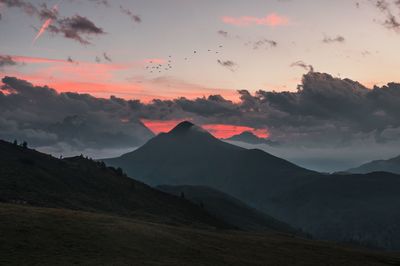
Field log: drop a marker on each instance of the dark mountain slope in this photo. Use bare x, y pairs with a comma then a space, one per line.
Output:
352, 208
391, 166
33, 178
43, 236
229, 209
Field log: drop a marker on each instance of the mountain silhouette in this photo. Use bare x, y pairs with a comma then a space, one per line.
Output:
250, 138
189, 155
392, 166
352, 208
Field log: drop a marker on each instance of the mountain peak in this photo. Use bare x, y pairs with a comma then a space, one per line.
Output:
182, 127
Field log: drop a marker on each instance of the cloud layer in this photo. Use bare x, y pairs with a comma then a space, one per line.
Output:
44, 117
324, 112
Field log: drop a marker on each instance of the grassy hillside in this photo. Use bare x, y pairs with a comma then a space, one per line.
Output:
229, 209
43, 236
33, 178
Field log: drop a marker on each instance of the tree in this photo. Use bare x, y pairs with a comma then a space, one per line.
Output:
15, 142
25, 145
182, 195
119, 171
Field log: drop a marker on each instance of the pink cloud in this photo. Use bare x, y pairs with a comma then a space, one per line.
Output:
271, 20
28, 59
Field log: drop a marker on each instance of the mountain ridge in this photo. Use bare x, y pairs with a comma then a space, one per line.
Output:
391, 165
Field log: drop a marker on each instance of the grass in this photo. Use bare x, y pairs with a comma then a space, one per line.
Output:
45, 236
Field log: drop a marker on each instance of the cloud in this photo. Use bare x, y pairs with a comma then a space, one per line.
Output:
391, 21
133, 17
303, 65
324, 113
44, 117
337, 39
271, 20
6, 60
229, 64
48, 15
77, 28
25, 6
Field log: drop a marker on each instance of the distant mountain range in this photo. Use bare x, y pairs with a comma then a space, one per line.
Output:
229, 209
351, 208
391, 166
250, 138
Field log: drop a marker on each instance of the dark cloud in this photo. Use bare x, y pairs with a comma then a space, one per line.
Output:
134, 18
303, 65
44, 117
25, 6
47, 13
337, 39
6, 60
229, 64
391, 20
77, 28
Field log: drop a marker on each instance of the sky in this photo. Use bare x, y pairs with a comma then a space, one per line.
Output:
318, 77
262, 41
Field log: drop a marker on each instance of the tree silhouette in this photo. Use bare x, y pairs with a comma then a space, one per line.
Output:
25, 145
119, 171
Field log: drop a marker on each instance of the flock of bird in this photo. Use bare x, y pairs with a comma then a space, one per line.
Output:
154, 67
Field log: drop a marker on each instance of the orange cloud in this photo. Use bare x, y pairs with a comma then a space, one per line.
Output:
271, 20
221, 131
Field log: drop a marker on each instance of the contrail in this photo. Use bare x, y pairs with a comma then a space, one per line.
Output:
46, 24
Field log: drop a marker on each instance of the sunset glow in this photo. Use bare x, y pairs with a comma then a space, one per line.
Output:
221, 131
